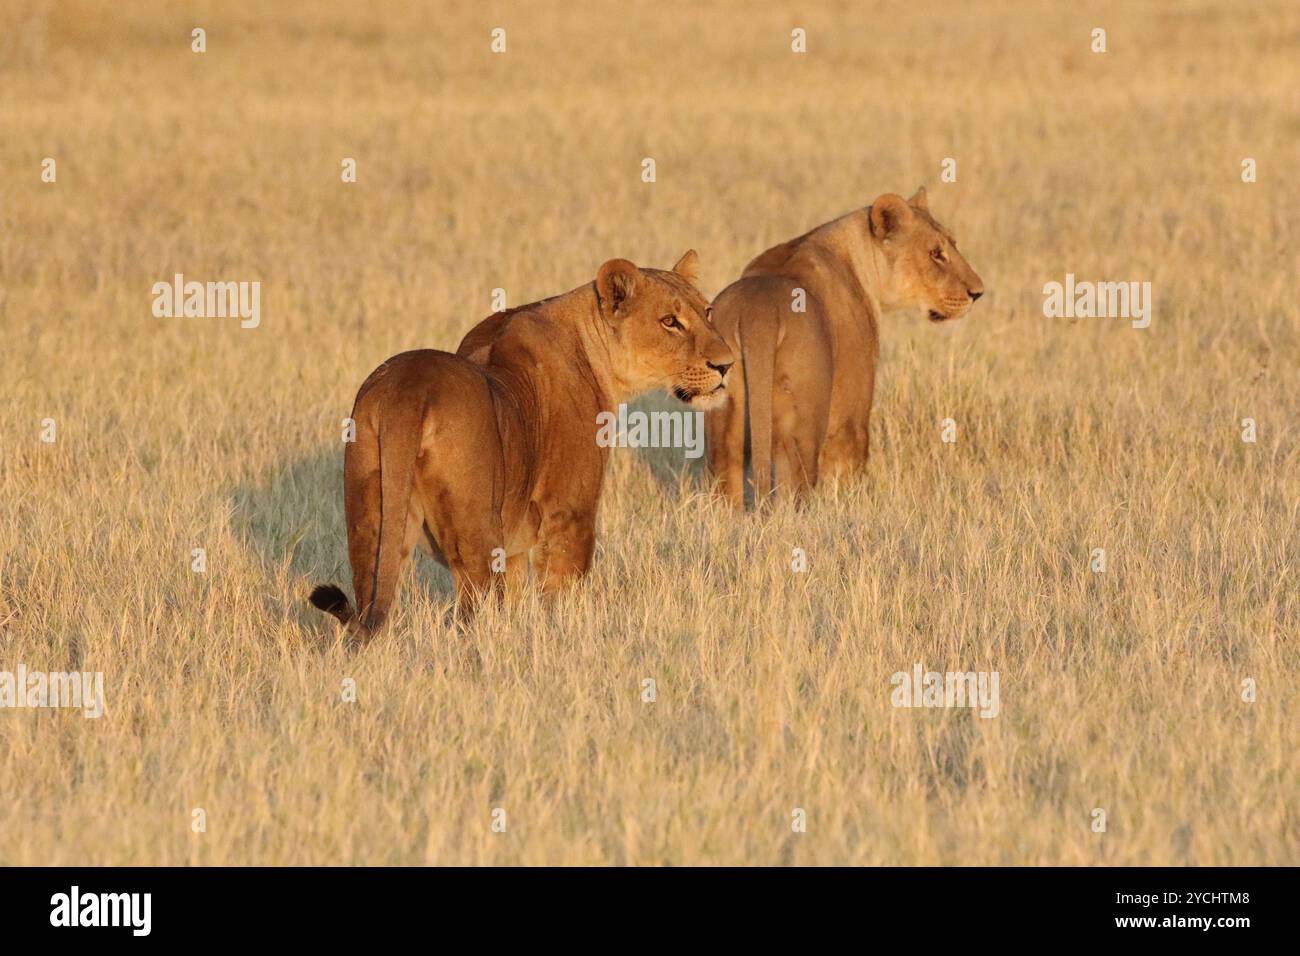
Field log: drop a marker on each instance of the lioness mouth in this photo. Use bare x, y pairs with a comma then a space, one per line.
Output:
937, 316
689, 395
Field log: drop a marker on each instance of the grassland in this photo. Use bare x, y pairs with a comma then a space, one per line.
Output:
1120, 690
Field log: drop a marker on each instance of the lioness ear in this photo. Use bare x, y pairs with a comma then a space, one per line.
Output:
688, 266
919, 199
888, 214
615, 283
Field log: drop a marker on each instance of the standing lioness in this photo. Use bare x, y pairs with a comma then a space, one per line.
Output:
803, 322
481, 456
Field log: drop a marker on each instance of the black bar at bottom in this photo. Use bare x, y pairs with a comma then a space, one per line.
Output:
733, 906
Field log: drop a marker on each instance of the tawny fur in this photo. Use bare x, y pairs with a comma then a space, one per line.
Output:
807, 378
487, 456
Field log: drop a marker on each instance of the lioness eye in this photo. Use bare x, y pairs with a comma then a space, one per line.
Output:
670, 322
937, 254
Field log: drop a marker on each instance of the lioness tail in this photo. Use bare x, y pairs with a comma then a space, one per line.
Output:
331, 599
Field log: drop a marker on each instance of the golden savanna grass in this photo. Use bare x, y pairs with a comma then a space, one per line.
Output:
1120, 690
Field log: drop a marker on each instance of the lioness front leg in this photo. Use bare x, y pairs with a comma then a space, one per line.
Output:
566, 541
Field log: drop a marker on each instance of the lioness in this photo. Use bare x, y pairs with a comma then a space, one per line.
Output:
480, 456
803, 322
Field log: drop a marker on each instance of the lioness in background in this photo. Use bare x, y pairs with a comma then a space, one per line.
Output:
808, 376
479, 457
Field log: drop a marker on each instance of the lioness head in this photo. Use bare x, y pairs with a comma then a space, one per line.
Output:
661, 333
926, 270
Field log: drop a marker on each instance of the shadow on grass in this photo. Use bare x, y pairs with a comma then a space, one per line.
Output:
671, 466
293, 519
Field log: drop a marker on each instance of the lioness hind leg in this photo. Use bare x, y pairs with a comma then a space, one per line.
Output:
480, 566
467, 532
516, 573
796, 467
798, 434
374, 614
800, 415
725, 444
361, 497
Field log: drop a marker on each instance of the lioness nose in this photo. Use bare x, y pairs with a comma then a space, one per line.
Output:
975, 294
721, 369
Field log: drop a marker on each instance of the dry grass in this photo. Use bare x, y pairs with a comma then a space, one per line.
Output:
1119, 690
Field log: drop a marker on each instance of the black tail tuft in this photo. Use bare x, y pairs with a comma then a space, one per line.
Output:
331, 599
